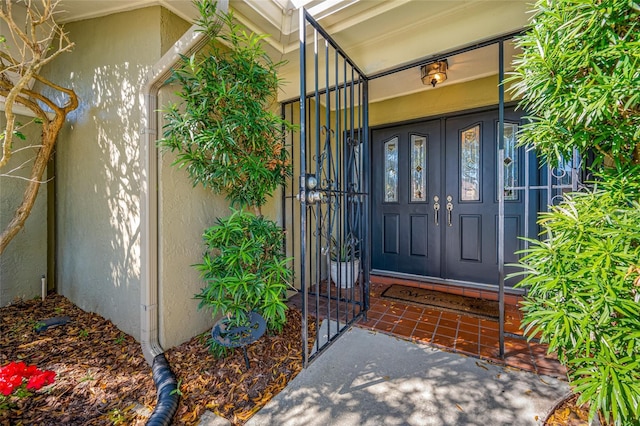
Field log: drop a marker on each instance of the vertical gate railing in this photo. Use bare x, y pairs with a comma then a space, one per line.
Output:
552, 183
330, 153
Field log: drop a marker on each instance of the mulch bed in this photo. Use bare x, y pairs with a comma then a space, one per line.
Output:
103, 379
568, 414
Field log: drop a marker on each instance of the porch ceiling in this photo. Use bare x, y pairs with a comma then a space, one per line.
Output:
377, 34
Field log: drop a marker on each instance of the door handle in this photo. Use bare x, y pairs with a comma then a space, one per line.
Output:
436, 209
449, 209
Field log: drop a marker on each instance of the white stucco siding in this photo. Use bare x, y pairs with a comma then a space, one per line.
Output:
185, 212
100, 176
24, 261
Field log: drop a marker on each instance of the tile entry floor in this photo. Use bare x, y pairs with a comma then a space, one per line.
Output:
458, 332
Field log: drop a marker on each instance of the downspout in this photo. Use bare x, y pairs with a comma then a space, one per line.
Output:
167, 400
155, 79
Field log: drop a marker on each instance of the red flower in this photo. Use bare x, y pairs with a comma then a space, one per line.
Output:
6, 388
42, 379
30, 371
9, 383
13, 369
13, 374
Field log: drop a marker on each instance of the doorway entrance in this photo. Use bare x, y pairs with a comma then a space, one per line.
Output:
435, 197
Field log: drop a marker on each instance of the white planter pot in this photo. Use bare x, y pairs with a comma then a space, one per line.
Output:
345, 274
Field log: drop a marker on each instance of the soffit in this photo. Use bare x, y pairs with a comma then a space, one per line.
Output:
377, 34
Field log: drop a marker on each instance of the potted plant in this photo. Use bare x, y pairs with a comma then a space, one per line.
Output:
228, 137
344, 261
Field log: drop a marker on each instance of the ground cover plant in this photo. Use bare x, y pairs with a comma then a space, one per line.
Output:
101, 377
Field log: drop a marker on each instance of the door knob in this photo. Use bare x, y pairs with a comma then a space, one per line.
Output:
449, 209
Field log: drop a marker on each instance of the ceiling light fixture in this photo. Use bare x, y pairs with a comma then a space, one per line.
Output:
434, 73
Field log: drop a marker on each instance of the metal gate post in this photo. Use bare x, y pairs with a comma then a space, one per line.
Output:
302, 197
501, 194
331, 191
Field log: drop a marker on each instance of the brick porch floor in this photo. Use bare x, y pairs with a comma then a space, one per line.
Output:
455, 332
458, 332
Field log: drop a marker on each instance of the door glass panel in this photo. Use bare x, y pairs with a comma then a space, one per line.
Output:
391, 170
511, 161
470, 164
418, 168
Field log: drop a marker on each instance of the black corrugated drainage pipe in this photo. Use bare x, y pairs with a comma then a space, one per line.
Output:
168, 397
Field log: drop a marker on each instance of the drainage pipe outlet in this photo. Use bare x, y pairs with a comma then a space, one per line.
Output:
168, 397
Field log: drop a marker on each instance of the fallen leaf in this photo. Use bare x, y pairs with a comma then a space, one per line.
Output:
481, 366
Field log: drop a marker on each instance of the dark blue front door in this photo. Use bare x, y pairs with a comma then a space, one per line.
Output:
435, 197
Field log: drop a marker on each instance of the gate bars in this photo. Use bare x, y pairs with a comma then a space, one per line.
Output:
332, 189
334, 180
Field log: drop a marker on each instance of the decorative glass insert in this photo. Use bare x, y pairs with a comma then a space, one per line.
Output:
391, 170
418, 168
470, 164
511, 160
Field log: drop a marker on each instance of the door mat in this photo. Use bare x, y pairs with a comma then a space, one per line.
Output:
473, 306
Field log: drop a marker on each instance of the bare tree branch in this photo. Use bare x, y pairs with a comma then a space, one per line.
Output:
36, 47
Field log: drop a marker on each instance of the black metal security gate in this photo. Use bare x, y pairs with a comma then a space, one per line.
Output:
330, 154
326, 208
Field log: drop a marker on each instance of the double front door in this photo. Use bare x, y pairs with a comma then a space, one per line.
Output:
435, 197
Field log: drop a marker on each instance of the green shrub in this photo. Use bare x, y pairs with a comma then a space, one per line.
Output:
227, 137
583, 293
579, 79
245, 269
223, 131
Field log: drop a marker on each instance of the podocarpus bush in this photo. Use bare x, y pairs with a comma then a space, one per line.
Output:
245, 269
228, 139
579, 77
583, 296
223, 130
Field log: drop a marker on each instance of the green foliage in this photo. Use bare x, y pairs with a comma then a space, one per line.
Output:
583, 297
245, 269
229, 140
177, 390
223, 131
579, 79
346, 249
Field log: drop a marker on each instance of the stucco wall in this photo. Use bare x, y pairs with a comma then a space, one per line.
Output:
98, 209
98, 198
24, 261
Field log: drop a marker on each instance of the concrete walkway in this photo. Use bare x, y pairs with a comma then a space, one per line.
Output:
368, 378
